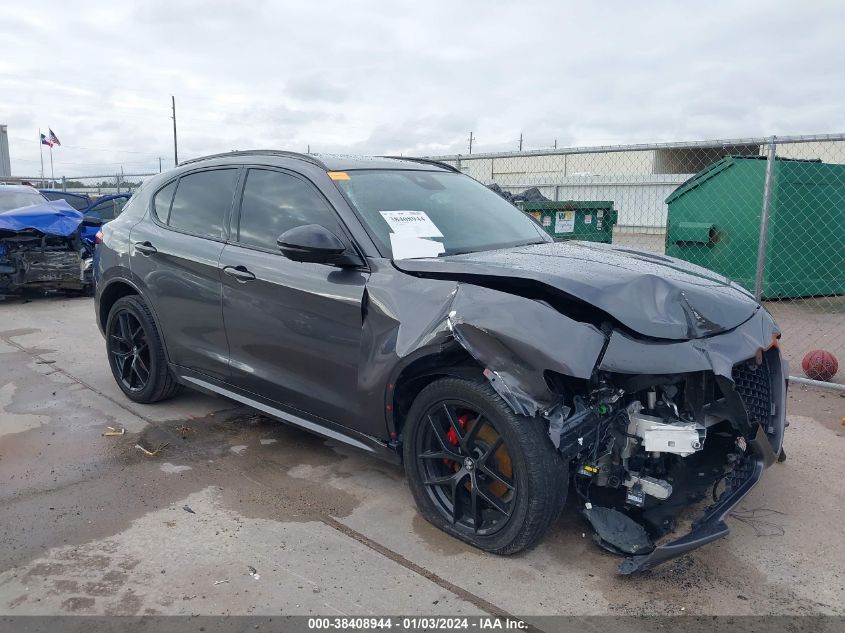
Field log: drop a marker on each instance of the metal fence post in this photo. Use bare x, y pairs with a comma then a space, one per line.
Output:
764, 219
64, 183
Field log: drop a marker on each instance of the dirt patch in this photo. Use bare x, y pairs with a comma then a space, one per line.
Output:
824, 406
78, 604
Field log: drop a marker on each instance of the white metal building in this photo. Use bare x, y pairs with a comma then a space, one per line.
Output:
637, 178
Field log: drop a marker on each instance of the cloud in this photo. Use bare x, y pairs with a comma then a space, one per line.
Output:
410, 78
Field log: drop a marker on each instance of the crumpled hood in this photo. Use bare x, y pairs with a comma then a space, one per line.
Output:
50, 218
653, 295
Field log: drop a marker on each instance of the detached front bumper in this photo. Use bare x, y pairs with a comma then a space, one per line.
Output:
712, 526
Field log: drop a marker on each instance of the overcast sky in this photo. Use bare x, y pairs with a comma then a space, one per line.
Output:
408, 77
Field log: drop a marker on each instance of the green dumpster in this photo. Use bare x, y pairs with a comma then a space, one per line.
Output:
574, 220
714, 221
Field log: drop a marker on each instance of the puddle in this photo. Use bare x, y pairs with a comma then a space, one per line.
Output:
17, 422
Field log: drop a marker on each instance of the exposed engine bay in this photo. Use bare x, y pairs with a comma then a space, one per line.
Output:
46, 245
642, 454
44, 261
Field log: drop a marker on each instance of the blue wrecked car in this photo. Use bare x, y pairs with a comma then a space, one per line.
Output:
106, 207
44, 245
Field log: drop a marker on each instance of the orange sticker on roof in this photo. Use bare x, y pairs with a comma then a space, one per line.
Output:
338, 175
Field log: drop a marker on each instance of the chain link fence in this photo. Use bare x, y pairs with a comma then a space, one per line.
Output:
768, 213
93, 186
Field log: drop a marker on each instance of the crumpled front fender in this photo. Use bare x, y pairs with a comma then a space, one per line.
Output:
518, 340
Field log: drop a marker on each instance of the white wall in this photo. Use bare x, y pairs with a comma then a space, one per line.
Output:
639, 200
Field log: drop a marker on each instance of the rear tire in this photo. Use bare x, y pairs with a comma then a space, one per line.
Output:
136, 353
446, 458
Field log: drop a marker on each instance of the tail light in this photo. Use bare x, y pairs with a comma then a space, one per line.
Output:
98, 238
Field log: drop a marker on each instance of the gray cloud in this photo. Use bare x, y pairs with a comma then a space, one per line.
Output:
408, 77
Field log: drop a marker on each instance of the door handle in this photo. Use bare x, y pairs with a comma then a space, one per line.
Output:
145, 248
239, 272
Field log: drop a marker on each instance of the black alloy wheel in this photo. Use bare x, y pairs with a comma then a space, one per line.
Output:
136, 352
130, 351
479, 471
467, 469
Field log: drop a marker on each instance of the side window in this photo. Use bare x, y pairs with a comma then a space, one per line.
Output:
201, 200
162, 200
274, 202
108, 209
116, 206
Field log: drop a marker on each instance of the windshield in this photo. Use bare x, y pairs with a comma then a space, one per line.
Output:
80, 203
426, 213
16, 199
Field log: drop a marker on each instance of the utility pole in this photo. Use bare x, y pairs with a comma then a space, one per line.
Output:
308, 151
555, 143
470, 142
175, 149
159, 164
520, 141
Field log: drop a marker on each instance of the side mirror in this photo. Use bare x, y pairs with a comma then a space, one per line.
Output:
315, 244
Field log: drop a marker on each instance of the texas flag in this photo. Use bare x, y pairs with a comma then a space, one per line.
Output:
46, 141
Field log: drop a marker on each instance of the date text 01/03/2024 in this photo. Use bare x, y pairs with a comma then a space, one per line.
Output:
417, 623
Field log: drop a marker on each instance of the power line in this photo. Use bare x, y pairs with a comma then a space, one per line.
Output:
92, 149
62, 162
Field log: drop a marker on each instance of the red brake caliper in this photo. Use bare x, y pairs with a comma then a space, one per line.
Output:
452, 436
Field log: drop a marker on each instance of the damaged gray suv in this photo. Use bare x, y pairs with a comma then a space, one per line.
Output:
400, 306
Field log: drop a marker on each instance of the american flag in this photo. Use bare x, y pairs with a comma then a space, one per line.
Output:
54, 140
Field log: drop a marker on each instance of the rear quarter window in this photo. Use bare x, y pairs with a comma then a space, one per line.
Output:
201, 200
162, 200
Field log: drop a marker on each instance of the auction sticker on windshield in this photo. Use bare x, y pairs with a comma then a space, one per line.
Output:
411, 223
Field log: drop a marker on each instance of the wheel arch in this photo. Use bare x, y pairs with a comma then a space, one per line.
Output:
110, 294
117, 289
415, 375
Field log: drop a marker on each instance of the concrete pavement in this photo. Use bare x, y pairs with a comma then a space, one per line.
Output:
92, 525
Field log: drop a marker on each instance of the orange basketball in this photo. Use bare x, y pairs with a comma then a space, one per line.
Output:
820, 365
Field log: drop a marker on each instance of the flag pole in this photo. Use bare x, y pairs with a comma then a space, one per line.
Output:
52, 174
41, 152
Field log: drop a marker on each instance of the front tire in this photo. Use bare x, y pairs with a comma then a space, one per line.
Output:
480, 472
136, 353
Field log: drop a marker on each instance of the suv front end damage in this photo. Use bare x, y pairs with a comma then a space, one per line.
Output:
646, 448
651, 427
